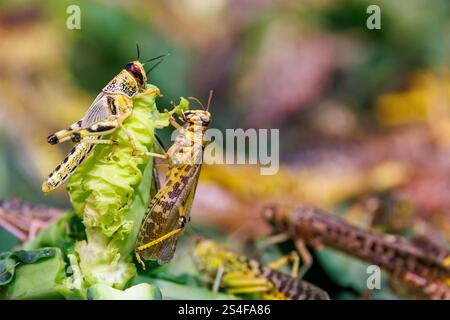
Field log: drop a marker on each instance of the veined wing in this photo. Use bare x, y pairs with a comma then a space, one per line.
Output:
99, 110
167, 248
162, 215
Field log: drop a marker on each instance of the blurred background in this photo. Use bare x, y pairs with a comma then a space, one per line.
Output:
364, 115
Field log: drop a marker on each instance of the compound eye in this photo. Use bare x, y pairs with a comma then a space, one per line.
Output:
182, 221
129, 66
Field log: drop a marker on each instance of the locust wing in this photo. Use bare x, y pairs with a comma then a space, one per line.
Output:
167, 249
99, 110
163, 216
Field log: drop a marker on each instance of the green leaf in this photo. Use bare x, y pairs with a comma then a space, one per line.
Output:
9, 261
31, 256
42, 279
7, 268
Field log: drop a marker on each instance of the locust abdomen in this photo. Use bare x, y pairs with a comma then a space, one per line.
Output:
67, 166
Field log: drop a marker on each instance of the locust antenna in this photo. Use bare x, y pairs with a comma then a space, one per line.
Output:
138, 51
209, 99
155, 65
198, 101
155, 58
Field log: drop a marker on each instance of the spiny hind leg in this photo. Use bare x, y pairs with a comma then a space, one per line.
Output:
75, 132
239, 278
159, 240
154, 243
99, 141
97, 129
162, 238
239, 283
64, 134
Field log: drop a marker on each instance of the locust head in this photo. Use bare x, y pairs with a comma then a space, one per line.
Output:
202, 117
207, 255
137, 71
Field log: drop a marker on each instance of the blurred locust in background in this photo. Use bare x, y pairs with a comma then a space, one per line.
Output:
25, 220
107, 113
422, 266
169, 211
240, 275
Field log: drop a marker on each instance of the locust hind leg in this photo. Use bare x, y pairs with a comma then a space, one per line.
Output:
99, 141
91, 134
99, 128
159, 240
239, 283
64, 134
76, 133
166, 236
162, 238
154, 243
